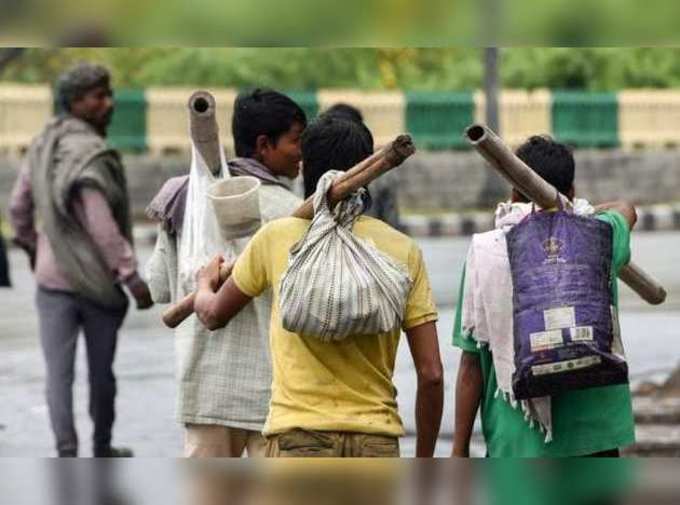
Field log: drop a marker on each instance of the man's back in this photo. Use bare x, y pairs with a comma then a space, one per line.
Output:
585, 421
341, 386
226, 375
75, 185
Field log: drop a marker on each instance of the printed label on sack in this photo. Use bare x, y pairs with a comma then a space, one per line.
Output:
544, 340
581, 333
563, 317
565, 366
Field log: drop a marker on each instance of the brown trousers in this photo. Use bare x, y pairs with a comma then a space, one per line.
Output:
331, 444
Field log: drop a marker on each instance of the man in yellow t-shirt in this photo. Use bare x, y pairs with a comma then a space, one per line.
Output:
334, 398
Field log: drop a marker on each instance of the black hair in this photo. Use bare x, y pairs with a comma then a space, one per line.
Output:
332, 143
262, 112
345, 111
77, 81
348, 113
553, 161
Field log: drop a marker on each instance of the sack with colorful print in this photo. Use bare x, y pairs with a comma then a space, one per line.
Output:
566, 334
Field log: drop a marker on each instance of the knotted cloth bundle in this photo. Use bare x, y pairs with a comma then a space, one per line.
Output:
336, 283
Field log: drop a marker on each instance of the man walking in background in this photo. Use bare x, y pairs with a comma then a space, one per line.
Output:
5, 281
82, 253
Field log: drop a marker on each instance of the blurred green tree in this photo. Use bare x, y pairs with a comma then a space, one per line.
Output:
437, 69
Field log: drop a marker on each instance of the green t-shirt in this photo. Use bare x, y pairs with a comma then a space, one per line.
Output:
559, 481
584, 421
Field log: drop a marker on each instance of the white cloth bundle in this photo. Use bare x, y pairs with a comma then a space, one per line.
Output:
337, 284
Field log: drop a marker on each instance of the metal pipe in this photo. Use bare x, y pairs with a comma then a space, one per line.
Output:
643, 284
364, 172
545, 195
204, 130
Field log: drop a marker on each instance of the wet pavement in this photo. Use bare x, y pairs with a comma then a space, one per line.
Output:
145, 359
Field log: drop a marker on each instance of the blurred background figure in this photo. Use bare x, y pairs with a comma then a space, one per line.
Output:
82, 253
6, 56
384, 190
4, 262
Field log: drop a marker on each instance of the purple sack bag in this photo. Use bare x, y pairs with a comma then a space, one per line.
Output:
563, 313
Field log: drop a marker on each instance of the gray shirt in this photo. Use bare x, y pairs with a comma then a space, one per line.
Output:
224, 376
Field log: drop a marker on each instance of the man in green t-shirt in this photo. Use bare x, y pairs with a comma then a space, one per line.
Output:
595, 421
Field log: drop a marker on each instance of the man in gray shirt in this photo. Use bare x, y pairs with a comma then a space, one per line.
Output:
82, 253
225, 376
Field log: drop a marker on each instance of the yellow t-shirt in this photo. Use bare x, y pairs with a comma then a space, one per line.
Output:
332, 386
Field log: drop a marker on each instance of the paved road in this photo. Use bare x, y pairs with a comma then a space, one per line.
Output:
145, 361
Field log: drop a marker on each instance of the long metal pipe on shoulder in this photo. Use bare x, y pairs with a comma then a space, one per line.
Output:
360, 175
204, 130
545, 195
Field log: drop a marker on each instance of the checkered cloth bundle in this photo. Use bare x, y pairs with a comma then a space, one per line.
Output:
338, 284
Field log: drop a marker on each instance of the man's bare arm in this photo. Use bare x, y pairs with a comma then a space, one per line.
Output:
627, 210
469, 385
424, 347
216, 304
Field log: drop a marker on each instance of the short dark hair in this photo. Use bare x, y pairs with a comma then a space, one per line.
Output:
553, 161
262, 112
78, 80
345, 111
332, 143
348, 113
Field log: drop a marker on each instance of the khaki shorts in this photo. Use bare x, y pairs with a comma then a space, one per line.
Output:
215, 441
331, 444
